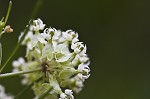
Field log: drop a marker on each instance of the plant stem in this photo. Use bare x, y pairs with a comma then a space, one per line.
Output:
26, 88
6, 18
18, 73
34, 13
23, 91
16, 48
36, 8
44, 94
8, 12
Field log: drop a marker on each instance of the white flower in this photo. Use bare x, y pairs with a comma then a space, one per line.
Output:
28, 37
62, 53
63, 96
37, 38
83, 77
49, 30
54, 84
60, 56
3, 95
83, 52
77, 89
67, 36
46, 36
70, 35
38, 25
80, 59
17, 64
47, 52
84, 68
56, 35
75, 39
67, 95
78, 82
78, 47
47, 33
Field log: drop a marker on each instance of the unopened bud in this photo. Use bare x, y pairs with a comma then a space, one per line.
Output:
8, 29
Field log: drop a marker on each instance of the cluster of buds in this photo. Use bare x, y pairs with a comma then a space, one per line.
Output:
61, 59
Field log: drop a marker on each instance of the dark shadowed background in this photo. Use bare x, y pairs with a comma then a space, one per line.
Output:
117, 34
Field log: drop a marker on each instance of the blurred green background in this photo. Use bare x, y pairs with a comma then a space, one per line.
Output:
117, 35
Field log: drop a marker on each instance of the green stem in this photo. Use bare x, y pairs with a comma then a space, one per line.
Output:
36, 8
34, 13
16, 48
18, 73
1, 25
45, 93
23, 91
8, 12
6, 18
26, 88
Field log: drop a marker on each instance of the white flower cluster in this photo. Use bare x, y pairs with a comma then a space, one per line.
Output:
61, 57
3, 95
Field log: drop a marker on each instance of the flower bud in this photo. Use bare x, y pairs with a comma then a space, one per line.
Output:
8, 29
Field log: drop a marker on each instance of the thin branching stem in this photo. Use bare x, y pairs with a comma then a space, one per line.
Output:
45, 93
8, 12
34, 14
36, 8
26, 88
16, 48
18, 73
6, 18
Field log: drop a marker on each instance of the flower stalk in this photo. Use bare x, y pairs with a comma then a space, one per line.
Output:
36, 9
18, 73
26, 89
8, 12
16, 48
34, 14
45, 93
2, 24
